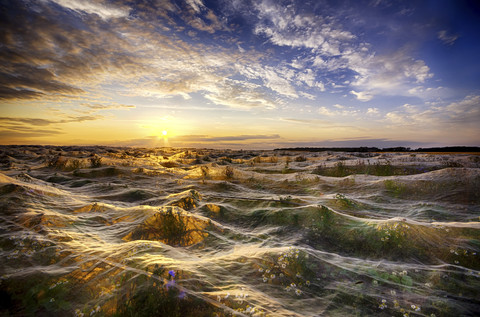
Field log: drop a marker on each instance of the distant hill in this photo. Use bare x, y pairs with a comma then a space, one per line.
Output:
448, 149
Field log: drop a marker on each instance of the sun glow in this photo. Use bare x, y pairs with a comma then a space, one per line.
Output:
164, 132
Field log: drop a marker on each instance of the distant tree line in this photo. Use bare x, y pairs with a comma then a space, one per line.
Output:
452, 149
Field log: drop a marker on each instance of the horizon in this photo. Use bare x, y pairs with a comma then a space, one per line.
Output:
445, 149
256, 75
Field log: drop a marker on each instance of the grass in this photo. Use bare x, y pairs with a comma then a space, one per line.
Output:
158, 295
340, 169
171, 227
228, 172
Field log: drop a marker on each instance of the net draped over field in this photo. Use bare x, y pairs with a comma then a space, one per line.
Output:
184, 232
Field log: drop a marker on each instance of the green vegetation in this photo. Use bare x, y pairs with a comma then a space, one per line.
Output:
159, 294
172, 227
340, 169
228, 172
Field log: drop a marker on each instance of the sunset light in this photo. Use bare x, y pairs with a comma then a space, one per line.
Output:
261, 158
241, 74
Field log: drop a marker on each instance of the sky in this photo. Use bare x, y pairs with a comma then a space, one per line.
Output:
240, 74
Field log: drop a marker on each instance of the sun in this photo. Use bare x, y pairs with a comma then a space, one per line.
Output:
164, 132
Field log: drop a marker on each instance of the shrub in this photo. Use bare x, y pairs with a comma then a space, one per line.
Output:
95, 161
169, 164
300, 158
228, 172
205, 171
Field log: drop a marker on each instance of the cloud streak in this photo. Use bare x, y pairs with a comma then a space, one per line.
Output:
46, 122
208, 139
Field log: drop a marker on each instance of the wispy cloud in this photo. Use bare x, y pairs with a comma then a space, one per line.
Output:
446, 37
46, 122
440, 118
99, 106
333, 49
202, 18
98, 7
324, 111
206, 138
362, 95
240, 94
284, 26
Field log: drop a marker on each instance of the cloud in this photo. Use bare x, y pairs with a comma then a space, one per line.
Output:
12, 135
7, 93
307, 121
18, 129
446, 38
98, 7
22, 81
72, 55
362, 95
372, 111
29, 121
46, 122
326, 112
465, 112
99, 106
238, 94
359, 142
278, 79
333, 50
340, 112
202, 18
284, 26
206, 138
388, 74
308, 77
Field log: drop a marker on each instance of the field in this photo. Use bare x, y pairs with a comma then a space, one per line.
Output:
100, 231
